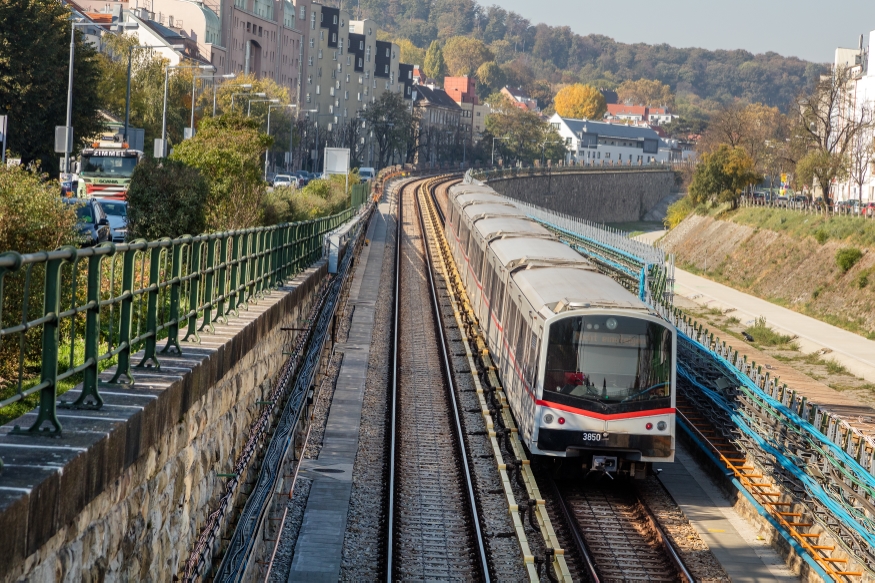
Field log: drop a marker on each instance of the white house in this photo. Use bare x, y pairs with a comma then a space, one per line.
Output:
862, 94
599, 143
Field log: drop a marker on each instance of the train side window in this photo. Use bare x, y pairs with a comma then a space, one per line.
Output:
500, 301
487, 286
522, 344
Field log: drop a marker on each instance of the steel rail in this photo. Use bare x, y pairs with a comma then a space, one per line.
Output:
451, 395
576, 535
393, 390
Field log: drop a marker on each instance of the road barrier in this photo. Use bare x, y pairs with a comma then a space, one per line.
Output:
68, 314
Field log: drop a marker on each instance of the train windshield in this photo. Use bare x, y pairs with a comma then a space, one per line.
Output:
609, 364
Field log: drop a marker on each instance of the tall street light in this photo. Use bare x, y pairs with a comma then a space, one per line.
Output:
267, 150
317, 116
128, 93
243, 86
164, 117
233, 95
68, 130
249, 106
493, 147
193, 90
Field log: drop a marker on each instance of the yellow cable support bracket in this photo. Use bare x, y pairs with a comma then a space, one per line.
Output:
446, 268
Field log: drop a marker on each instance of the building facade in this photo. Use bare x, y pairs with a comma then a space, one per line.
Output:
604, 144
463, 90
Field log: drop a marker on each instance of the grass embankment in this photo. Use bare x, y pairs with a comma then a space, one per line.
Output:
849, 230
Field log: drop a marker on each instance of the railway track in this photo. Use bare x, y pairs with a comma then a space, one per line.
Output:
433, 525
616, 535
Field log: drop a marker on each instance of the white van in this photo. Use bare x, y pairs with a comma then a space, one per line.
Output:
367, 174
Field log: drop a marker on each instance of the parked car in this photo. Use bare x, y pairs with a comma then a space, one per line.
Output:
304, 176
367, 174
869, 209
781, 201
285, 180
92, 224
117, 213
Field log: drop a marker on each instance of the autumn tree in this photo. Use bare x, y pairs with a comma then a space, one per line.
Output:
464, 55
647, 92
34, 58
434, 66
410, 53
759, 129
580, 101
722, 175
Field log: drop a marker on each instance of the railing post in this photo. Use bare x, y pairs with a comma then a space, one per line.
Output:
175, 289
90, 397
233, 292
209, 287
50, 340
152, 308
245, 263
194, 291
221, 313
127, 304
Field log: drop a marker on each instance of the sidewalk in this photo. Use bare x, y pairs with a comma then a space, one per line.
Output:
853, 351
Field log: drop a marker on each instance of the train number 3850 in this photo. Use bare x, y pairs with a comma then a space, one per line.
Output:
587, 436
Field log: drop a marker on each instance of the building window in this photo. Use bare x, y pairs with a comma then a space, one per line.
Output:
346, 94
334, 37
320, 53
361, 45
321, 17
348, 61
360, 96
318, 90
335, 19
335, 57
308, 98
309, 78
312, 21
331, 91
312, 42
347, 77
360, 64
386, 71
303, 13
321, 35
310, 60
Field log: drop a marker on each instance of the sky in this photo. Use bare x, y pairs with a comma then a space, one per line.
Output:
808, 29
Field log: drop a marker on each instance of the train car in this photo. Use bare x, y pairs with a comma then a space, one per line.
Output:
588, 368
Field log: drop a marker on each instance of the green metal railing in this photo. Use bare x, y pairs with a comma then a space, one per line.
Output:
66, 315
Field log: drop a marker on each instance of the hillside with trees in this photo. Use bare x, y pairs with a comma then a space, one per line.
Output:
541, 57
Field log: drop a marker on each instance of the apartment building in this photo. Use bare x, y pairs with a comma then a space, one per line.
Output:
599, 143
346, 66
463, 90
639, 113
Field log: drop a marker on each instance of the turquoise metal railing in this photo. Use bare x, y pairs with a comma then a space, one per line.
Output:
65, 315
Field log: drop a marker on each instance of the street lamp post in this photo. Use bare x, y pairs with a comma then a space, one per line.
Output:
233, 95
128, 92
267, 151
493, 147
164, 116
228, 76
249, 107
213, 77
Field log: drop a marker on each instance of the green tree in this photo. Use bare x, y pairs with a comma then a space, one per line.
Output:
434, 66
647, 92
229, 151
491, 77
166, 199
580, 101
520, 135
410, 53
34, 60
722, 175
392, 124
464, 55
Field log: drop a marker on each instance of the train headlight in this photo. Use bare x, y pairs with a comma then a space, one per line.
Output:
548, 418
611, 324
661, 425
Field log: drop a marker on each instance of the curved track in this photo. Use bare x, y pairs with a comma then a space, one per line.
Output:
433, 525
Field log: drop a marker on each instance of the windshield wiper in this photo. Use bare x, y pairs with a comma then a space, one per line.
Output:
647, 390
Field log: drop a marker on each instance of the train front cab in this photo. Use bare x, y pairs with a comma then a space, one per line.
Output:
607, 390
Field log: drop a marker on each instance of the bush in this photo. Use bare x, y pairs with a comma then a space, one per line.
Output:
166, 199
821, 236
766, 336
32, 218
229, 152
678, 211
847, 257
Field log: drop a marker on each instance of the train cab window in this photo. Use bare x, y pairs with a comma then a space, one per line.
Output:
609, 364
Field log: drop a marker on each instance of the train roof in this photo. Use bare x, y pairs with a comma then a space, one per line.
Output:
552, 290
475, 211
518, 250
461, 188
504, 227
470, 198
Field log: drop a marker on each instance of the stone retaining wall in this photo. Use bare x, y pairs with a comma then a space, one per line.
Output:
137, 495
601, 196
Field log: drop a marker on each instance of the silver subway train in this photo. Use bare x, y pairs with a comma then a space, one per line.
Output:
588, 368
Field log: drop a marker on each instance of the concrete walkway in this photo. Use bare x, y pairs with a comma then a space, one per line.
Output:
318, 551
733, 542
855, 352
